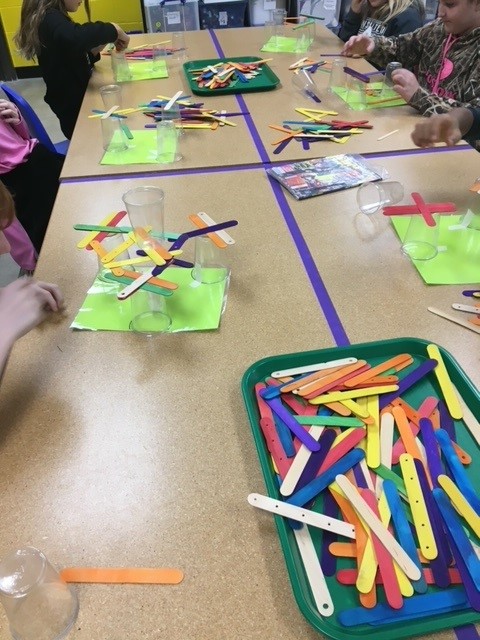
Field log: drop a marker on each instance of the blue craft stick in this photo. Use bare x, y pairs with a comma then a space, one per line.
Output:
273, 391
403, 531
466, 559
183, 263
467, 632
420, 606
434, 462
150, 126
241, 76
321, 482
457, 470
186, 235
302, 434
408, 381
441, 563
285, 436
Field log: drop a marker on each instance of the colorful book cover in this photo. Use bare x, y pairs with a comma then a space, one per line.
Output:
323, 175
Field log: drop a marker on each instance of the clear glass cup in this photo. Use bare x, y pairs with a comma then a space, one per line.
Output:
149, 313
211, 263
38, 604
113, 136
111, 95
146, 208
120, 67
337, 75
356, 94
179, 49
420, 241
373, 196
168, 139
159, 56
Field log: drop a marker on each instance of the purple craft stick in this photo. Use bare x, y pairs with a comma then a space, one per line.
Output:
280, 147
434, 461
446, 421
356, 74
469, 292
316, 459
359, 477
305, 144
467, 632
408, 381
441, 563
302, 434
328, 562
180, 241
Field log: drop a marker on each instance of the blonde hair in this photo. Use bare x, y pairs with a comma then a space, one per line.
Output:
393, 7
7, 207
27, 37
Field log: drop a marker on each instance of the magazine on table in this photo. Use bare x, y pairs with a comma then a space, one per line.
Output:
310, 178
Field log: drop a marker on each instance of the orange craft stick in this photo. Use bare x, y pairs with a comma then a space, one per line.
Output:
122, 576
156, 246
339, 408
377, 381
410, 412
406, 434
311, 378
101, 252
343, 549
397, 363
213, 236
331, 380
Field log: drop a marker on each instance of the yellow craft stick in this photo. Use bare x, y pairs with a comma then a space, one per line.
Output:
445, 383
122, 576
354, 393
368, 566
406, 588
426, 539
116, 251
101, 251
460, 503
373, 434
124, 263
93, 234
356, 409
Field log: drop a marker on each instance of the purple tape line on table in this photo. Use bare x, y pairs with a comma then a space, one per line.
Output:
408, 381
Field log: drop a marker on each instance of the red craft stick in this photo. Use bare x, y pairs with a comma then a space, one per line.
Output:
104, 234
342, 448
424, 209
408, 210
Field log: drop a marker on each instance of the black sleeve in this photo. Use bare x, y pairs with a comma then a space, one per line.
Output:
407, 21
59, 30
474, 132
350, 25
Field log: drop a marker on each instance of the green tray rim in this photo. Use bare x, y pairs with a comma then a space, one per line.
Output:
407, 629
273, 79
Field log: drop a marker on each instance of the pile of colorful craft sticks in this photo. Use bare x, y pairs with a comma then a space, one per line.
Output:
150, 249
310, 65
145, 51
315, 129
226, 74
368, 455
192, 114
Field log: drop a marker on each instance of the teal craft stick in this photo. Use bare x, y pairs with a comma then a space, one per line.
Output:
303, 24
306, 15
95, 227
327, 421
127, 131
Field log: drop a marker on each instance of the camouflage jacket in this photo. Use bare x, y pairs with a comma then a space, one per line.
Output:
421, 53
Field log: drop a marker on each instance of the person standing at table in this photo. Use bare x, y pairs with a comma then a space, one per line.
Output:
66, 52
382, 18
441, 60
30, 171
24, 303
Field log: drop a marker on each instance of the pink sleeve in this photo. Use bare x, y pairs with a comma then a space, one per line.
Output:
4, 246
21, 248
22, 129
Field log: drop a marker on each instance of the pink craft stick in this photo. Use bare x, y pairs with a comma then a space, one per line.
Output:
104, 234
342, 448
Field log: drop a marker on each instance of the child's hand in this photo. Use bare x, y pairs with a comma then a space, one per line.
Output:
121, 43
442, 128
358, 46
24, 304
9, 112
405, 83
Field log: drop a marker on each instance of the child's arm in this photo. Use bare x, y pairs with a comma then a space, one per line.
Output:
63, 34
448, 127
12, 116
24, 304
406, 49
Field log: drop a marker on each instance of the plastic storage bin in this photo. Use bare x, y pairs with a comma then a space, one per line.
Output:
329, 10
222, 15
171, 16
259, 11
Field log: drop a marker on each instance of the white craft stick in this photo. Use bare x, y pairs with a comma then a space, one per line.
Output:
317, 520
172, 100
385, 537
316, 578
135, 285
469, 419
285, 373
387, 135
108, 113
210, 221
298, 465
386, 439
366, 474
463, 224
448, 316
468, 308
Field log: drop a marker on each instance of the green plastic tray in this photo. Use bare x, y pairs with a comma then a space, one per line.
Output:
265, 81
345, 597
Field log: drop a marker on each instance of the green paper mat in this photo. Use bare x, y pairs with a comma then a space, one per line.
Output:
192, 307
373, 102
142, 70
282, 44
141, 150
459, 264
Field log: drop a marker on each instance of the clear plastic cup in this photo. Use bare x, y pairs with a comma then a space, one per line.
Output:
337, 75
146, 208
120, 67
111, 95
373, 196
113, 136
168, 142
356, 95
179, 49
304, 82
159, 56
150, 315
420, 241
211, 263
39, 605
111, 244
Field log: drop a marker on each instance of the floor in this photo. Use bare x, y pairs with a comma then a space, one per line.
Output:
33, 91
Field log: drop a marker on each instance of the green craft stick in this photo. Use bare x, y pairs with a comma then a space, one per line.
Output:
303, 24
95, 227
387, 474
306, 15
333, 421
127, 131
146, 287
